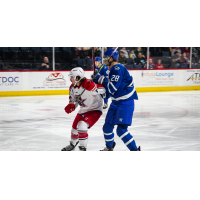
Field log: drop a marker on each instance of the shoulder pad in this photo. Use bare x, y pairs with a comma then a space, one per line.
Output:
99, 86
90, 86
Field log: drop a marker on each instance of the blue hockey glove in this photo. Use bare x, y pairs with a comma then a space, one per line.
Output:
99, 79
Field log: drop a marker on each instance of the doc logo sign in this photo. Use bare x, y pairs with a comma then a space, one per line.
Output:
9, 81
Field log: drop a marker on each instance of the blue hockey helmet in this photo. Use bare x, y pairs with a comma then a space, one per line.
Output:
98, 59
110, 51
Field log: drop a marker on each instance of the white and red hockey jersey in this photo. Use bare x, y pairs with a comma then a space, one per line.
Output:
90, 99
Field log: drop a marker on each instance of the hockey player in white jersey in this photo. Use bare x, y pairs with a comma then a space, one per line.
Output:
91, 106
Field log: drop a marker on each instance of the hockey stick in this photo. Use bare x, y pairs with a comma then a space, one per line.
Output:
97, 73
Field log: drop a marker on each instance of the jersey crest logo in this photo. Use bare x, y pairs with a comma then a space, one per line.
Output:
120, 119
81, 102
117, 68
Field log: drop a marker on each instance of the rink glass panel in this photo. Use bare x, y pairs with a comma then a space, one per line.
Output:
67, 58
195, 57
24, 58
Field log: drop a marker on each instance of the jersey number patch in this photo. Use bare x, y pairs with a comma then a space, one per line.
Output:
115, 78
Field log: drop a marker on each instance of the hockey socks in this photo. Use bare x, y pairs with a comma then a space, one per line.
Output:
108, 134
83, 138
126, 137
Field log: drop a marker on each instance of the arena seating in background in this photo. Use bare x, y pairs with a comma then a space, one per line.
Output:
36, 49
138, 66
198, 66
30, 58
184, 65
85, 63
194, 66
25, 48
14, 48
167, 54
67, 49
166, 61
129, 66
130, 61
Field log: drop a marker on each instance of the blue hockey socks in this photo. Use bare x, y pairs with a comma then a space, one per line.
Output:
127, 138
108, 134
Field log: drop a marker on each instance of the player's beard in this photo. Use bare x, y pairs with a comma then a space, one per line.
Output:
108, 64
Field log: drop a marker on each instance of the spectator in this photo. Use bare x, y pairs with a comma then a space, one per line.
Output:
184, 58
159, 65
151, 64
187, 51
132, 55
194, 54
176, 59
122, 59
45, 65
75, 53
97, 52
85, 53
123, 49
175, 50
149, 57
139, 50
140, 60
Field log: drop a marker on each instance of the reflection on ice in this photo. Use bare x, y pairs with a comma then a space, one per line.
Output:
161, 122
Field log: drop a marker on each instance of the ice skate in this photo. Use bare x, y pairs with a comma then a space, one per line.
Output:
139, 149
70, 147
109, 148
82, 148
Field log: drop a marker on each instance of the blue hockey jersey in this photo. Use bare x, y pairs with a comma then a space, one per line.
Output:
120, 84
104, 71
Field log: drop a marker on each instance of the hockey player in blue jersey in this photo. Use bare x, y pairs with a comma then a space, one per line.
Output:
120, 88
104, 72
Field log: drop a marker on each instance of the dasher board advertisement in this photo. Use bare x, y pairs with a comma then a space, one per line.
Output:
155, 78
192, 77
49, 81
11, 81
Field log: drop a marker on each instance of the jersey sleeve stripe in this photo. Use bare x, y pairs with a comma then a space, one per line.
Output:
108, 88
113, 86
124, 97
132, 83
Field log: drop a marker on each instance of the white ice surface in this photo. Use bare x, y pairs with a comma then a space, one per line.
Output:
162, 122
